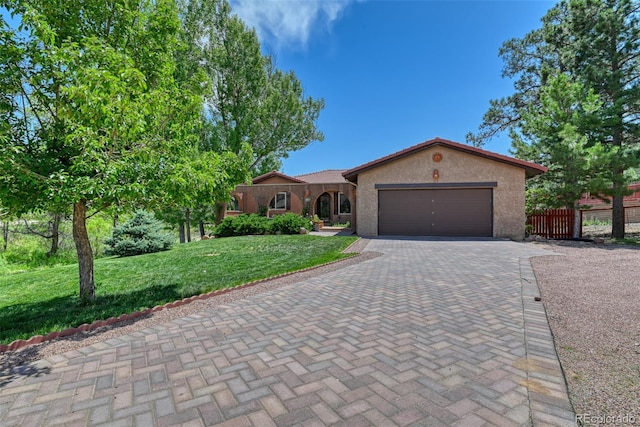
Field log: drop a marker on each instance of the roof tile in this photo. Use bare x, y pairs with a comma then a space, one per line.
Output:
328, 176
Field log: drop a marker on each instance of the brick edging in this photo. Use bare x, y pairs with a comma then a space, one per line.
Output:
86, 327
542, 357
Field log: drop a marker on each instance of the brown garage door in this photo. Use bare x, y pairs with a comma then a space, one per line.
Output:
436, 212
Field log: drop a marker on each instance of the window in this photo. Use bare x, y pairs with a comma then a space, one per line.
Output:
233, 204
344, 205
280, 201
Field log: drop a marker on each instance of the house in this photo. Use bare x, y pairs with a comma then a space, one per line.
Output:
326, 194
436, 188
594, 208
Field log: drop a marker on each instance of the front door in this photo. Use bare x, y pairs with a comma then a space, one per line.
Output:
323, 207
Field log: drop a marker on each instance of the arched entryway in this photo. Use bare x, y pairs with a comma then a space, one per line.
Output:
323, 207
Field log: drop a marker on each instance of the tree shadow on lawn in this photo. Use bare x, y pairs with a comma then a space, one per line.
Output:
22, 321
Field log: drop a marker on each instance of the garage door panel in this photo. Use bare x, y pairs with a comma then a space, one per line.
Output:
463, 212
401, 214
441, 212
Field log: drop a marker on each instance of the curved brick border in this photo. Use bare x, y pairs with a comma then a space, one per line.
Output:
85, 327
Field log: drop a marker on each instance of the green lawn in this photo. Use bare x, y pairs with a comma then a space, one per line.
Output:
41, 301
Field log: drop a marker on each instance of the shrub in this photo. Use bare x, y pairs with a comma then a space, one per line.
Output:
225, 228
242, 225
142, 234
289, 223
251, 224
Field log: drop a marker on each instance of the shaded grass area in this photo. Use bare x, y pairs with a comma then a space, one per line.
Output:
45, 300
630, 241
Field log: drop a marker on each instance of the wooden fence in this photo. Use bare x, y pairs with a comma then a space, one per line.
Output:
552, 223
631, 214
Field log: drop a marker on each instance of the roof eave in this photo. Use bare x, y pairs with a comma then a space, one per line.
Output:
257, 180
531, 169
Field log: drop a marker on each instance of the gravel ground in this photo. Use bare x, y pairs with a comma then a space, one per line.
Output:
592, 298
47, 349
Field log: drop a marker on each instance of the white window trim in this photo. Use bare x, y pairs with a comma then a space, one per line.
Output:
275, 201
340, 195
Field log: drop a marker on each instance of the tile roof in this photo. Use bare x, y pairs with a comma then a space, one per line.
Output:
328, 176
531, 169
272, 174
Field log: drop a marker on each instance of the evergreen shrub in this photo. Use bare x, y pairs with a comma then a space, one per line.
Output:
142, 234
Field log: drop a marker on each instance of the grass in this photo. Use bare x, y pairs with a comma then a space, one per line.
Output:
631, 241
341, 224
587, 222
44, 300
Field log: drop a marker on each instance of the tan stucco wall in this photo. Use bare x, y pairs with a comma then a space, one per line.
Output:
455, 166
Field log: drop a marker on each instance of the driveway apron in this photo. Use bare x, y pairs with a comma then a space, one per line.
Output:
431, 332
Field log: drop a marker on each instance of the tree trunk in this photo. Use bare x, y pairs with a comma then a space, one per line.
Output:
55, 234
201, 226
85, 254
187, 222
181, 232
219, 211
5, 235
617, 217
577, 224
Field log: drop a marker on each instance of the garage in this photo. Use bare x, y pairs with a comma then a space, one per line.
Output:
442, 188
436, 212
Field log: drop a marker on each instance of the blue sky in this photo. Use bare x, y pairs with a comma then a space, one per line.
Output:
392, 73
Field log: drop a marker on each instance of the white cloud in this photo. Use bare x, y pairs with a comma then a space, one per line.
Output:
288, 22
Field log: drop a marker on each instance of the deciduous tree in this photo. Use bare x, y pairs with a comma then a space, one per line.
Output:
250, 99
95, 116
249, 102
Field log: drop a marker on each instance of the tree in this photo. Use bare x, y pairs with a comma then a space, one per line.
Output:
95, 116
5, 228
595, 43
555, 127
250, 100
251, 107
47, 227
202, 179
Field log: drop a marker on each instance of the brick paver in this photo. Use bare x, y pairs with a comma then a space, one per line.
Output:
432, 332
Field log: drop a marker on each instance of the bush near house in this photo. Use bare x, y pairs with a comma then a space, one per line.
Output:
241, 225
288, 223
248, 224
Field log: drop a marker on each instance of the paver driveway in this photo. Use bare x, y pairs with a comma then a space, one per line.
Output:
432, 332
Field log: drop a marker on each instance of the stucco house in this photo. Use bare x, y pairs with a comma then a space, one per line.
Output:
436, 188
